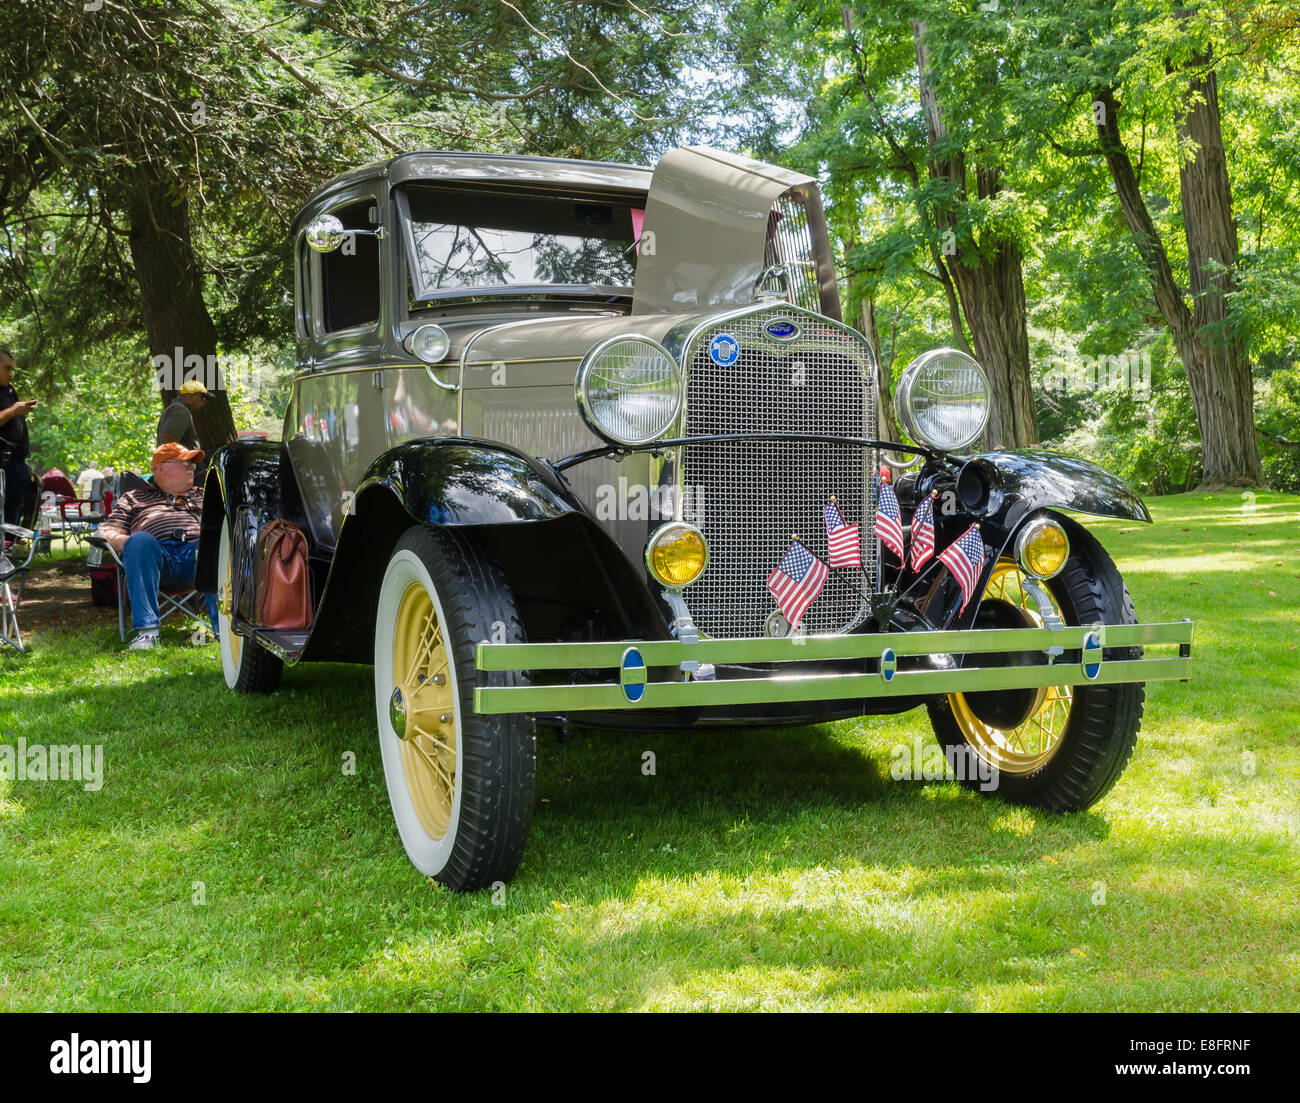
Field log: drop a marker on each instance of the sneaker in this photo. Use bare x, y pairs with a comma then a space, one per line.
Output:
143, 642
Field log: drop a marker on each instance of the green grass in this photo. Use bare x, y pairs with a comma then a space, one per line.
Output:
778, 869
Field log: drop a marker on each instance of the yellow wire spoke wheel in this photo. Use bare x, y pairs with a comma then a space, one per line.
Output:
1029, 744
422, 709
462, 785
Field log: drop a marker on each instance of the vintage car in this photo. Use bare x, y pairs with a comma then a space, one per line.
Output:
580, 442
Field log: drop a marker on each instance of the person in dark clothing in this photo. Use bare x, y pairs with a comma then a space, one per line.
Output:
14, 444
176, 426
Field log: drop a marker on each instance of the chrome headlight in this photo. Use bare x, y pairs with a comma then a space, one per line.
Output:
429, 343
629, 390
943, 400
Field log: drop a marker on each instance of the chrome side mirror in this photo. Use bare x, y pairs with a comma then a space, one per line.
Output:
325, 233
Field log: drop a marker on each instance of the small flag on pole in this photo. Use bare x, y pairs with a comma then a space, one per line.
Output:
841, 537
796, 582
964, 557
923, 531
889, 521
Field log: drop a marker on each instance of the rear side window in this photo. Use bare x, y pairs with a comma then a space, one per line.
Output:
349, 276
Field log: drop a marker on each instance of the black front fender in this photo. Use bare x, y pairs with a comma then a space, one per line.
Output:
1007, 485
564, 569
463, 481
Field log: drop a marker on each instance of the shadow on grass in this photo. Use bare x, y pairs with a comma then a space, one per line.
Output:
777, 865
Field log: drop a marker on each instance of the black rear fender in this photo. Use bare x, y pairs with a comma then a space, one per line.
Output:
254, 473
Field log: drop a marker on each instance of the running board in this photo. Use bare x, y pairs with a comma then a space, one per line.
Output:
285, 643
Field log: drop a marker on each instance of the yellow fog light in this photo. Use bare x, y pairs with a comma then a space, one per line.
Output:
677, 554
1042, 548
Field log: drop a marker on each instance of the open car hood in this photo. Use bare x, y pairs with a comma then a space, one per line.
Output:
705, 237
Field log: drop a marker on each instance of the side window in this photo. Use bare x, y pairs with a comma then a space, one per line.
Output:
349, 277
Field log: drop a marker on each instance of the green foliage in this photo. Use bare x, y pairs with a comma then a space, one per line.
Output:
1144, 433
104, 412
1277, 413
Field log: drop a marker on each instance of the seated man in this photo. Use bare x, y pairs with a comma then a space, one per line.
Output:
156, 532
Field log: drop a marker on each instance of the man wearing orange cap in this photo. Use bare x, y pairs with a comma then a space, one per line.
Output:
155, 530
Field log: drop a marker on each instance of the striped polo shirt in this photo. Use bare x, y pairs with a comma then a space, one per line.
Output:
154, 511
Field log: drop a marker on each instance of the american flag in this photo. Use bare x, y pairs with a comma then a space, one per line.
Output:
964, 557
796, 582
889, 521
841, 538
923, 531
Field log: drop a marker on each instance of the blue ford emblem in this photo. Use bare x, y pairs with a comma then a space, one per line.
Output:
632, 675
724, 350
888, 664
781, 330
1091, 655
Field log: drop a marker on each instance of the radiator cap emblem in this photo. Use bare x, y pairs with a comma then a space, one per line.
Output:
724, 350
781, 329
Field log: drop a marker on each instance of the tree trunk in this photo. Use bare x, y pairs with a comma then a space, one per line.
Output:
1217, 370
991, 287
1222, 387
954, 304
886, 423
171, 295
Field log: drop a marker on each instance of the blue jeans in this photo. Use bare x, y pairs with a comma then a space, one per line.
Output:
16, 479
150, 564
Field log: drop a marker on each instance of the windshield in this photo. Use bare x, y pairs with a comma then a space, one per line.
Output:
468, 241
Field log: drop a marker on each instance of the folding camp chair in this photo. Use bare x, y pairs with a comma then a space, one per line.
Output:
71, 517
79, 516
186, 602
12, 575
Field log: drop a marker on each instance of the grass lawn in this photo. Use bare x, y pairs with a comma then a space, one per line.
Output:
230, 862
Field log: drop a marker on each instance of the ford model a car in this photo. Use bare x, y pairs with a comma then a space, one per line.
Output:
574, 441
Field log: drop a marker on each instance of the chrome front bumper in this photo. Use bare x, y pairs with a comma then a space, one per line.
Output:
626, 665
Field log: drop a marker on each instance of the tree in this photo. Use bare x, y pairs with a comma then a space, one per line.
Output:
141, 130
1138, 59
906, 120
166, 145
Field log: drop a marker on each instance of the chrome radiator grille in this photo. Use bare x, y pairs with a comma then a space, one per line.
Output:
752, 496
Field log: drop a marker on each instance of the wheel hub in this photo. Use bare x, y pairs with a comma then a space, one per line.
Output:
1016, 731
397, 712
1007, 708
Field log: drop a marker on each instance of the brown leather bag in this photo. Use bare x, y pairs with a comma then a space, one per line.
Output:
283, 589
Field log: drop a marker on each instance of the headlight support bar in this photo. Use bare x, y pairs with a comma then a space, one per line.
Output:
719, 438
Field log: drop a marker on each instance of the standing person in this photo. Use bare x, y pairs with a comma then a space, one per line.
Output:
14, 445
176, 426
156, 532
